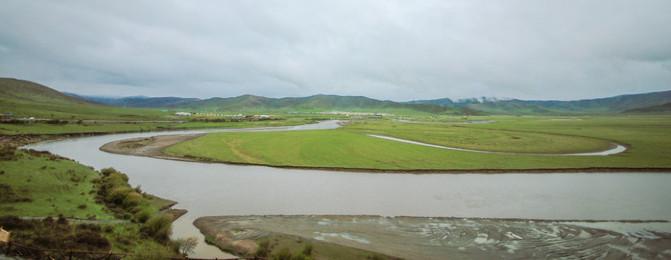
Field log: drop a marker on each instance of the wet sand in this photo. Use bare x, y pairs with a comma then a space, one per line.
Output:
447, 238
147, 146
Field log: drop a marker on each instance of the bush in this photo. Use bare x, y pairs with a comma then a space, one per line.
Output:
14, 222
7, 194
143, 215
283, 254
107, 171
132, 199
118, 195
152, 252
158, 227
186, 246
91, 239
307, 249
299, 257
264, 248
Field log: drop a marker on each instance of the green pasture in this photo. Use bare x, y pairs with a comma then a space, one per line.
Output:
648, 140
40, 186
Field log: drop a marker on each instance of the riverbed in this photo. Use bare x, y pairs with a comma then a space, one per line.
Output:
207, 189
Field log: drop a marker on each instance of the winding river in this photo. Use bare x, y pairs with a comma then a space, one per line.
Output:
207, 189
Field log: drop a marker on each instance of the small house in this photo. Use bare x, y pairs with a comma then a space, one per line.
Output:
183, 114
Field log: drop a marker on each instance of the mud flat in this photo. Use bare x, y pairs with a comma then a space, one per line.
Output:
147, 146
444, 238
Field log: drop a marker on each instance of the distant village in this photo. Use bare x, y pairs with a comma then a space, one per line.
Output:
197, 115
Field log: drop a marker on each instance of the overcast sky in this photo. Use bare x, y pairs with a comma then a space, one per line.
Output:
398, 50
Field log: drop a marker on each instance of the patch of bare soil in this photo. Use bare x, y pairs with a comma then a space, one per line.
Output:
448, 238
175, 213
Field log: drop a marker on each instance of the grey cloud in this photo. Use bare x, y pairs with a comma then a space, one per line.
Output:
396, 50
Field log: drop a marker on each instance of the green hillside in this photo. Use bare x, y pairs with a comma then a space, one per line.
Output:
317, 103
609, 105
658, 109
20, 98
615, 104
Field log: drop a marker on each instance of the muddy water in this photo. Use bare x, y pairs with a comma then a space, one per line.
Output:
219, 189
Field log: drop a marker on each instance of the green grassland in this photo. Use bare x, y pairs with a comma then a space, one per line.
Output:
112, 127
40, 186
464, 136
350, 147
35, 184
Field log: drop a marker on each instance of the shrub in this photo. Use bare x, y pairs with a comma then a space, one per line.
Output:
283, 254
118, 195
143, 215
14, 222
91, 239
152, 252
264, 248
158, 227
7, 194
132, 199
299, 257
307, 249
186, 246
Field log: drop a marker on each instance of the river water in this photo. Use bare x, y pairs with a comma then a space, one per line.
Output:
207, 189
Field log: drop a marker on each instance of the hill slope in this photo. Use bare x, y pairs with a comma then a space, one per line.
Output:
23, 98
317, 103
137, 101
664, 108
251, 103
615, 104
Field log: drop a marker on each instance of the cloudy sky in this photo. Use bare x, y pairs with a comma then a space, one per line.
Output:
398, 50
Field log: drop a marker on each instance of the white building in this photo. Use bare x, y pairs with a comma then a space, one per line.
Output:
183, 114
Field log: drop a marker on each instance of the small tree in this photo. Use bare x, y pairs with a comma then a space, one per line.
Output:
186, 246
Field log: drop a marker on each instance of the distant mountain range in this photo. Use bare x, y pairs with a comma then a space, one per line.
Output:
135, 101
624, 103
251, 103
22, 93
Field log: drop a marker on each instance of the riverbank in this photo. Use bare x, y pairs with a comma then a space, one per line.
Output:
41, 190
440, 238
205, 190
155, 146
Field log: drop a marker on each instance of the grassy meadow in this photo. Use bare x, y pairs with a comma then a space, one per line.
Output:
40, 186
115, 127
96, 211
349, 147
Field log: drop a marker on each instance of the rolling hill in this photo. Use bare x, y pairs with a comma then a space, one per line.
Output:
25, 98
317, 103
22, 98
137, 101
658, 109
609, 105
257, 104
